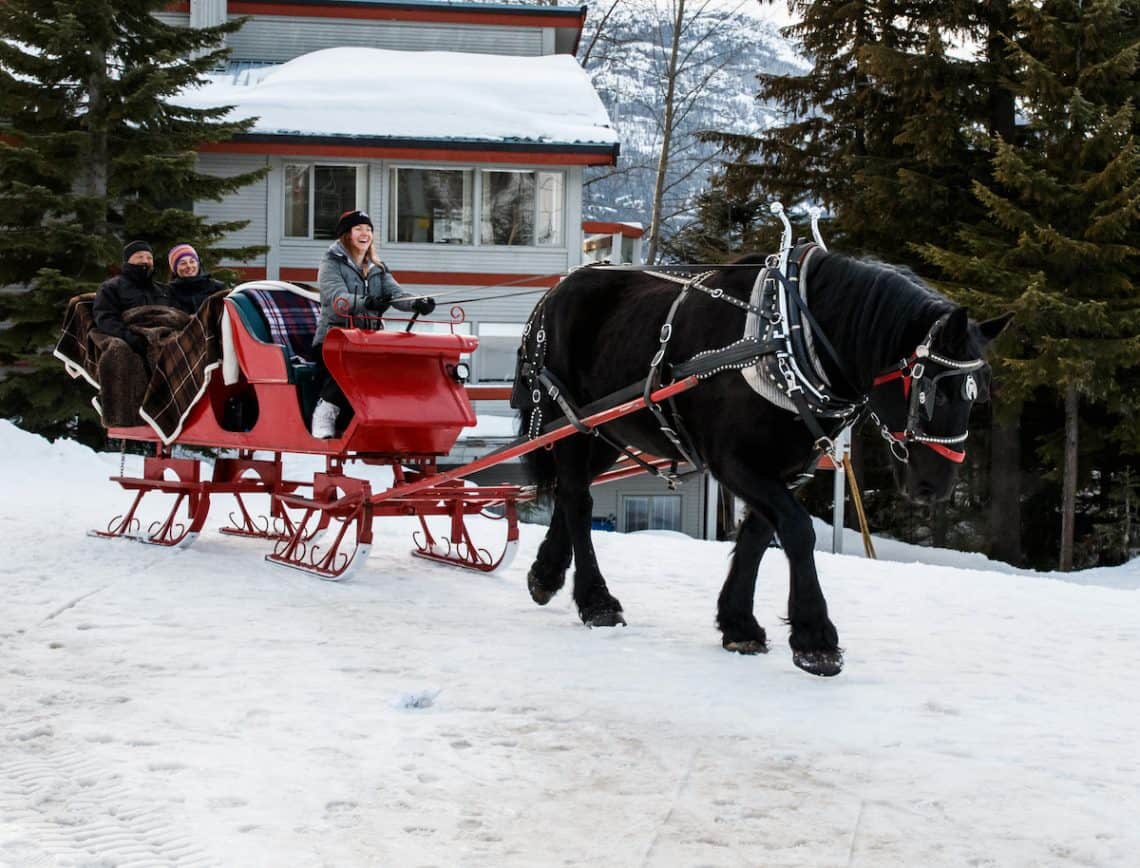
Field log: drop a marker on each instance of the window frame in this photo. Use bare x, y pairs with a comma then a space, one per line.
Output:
536, 210
392, 216
649, 499
361, 170
477, 171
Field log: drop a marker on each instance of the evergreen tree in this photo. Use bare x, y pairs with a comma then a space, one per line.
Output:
93, 152
870, 131
1060, 245
724, 226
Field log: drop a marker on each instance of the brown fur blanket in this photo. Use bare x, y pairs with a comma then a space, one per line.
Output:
160, 389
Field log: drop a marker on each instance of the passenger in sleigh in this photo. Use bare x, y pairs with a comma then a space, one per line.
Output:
159, 391
133, 287
132, 315
189, 284
353, 282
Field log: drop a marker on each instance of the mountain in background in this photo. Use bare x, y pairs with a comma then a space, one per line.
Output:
628, 61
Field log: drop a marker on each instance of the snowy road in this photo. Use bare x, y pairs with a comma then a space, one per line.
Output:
201, 707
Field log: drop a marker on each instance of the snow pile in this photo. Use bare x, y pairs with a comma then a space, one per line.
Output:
374, 92
203, 707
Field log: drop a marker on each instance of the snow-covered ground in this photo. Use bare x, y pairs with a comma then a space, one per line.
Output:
201, 707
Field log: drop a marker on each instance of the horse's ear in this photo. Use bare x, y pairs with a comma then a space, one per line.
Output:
957, 325
991, 328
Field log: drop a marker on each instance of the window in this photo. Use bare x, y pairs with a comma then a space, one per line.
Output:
498, 344
652, 512
511, 207
316, 196
431, 206
521, 208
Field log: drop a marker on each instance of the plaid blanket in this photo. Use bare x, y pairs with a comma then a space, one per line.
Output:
183, 369
182, 353
72, 348
292, 320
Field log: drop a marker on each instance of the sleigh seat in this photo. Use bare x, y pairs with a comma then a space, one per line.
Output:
276, 314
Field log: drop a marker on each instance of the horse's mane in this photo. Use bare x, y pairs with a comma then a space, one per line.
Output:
869, 310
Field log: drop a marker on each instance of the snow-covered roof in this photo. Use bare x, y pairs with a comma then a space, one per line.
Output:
437, 95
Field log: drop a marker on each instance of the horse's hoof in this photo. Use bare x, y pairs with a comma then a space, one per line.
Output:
605, 619
538, 591
746, 646
825, 663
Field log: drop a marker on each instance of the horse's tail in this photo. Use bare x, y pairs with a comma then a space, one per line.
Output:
528, 399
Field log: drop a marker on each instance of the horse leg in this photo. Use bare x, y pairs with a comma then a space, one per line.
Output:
578, 458
547, 574
739, 629
814, 639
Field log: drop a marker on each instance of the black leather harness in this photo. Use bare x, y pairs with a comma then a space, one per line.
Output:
780, 349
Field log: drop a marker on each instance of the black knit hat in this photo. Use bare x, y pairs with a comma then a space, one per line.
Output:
349, 219
133, 248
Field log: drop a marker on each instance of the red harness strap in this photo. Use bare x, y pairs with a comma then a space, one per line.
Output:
946, 452
900, 373
903, 373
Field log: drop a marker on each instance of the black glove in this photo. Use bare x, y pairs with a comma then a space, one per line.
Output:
136, 342
423, 306
375, 302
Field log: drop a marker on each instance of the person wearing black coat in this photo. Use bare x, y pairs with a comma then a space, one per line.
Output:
189, 286
134, 287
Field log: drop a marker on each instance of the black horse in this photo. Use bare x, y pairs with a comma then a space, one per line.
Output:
596, 332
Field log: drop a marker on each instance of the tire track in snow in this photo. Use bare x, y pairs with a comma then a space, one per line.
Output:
60, 806
73, 603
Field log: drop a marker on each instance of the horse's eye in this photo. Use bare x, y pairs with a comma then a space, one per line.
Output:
940, 398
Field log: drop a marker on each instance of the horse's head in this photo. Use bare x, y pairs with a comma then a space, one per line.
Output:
923, 406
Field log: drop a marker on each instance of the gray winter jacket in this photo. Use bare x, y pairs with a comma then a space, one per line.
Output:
339, 278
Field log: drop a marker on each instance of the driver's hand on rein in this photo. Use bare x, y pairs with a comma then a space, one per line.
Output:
424, 306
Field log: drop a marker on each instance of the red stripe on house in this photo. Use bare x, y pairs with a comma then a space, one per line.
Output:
544, 17
474, 278
489, 393
437, 278
305, 275
381, 13
607, 227
576, 158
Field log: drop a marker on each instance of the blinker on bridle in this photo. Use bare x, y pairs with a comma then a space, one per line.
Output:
920, 389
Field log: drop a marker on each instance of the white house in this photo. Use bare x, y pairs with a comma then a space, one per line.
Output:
462, 128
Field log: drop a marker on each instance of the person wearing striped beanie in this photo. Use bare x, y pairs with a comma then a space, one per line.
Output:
189, 285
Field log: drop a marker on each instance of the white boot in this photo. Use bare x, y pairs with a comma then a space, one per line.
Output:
324, 420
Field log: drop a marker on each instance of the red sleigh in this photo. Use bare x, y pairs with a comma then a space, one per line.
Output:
410, 406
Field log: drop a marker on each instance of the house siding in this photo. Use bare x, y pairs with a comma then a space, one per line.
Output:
278, 38
254, 203
608, 499
248, 203
281, 38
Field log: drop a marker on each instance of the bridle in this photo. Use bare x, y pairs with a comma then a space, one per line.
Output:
920, 389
